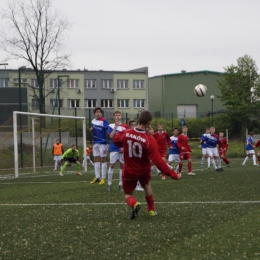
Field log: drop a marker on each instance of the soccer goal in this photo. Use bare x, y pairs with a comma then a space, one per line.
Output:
34, 135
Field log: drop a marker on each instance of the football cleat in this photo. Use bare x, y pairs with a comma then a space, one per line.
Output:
152, 213
163, 177
243, 165
109, 188
120, 188
139, 188
217, 170
191, 173
221, 169
256, 165
136, 209
202, 165
228, 165
102, 182
79, 173
61, 174
95, 180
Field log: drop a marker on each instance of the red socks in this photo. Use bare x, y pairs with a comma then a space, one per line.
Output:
131, 201
189, 166
150, 202
180, 167
225, 159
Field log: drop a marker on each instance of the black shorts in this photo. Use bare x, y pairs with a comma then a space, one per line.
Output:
71, 160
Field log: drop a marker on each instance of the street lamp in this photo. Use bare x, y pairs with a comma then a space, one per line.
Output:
212, 99
62, 76
20, 108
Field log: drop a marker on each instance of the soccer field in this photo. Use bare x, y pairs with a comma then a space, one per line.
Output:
213, 215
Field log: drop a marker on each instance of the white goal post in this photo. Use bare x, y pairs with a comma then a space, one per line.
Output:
15, 113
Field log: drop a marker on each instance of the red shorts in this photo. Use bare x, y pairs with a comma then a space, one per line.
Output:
129, 184
185, 156
222, 153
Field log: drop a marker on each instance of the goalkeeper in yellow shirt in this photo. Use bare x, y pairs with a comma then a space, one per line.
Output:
70, 156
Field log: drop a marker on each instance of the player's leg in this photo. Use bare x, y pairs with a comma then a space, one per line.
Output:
163, 175
77, 167
181, 162
216, 155
96, 154
129, 186
103, 154
145, 182
64, 166
188, 156
210, 154
225, 159
88, 159
113, 156
55, 163
258, 157
246, 159
254, 158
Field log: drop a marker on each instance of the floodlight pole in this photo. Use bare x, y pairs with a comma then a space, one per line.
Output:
20, 108
212, 99
62, 76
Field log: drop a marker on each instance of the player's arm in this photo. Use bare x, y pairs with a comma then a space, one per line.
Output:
155, 157
169, 142
62, 150
117, 139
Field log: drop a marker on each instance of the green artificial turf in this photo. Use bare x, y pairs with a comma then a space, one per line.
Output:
213, 215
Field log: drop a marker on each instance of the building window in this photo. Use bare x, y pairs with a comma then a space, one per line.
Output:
107, 83
73, 102
55, 103
138, 84
35, 103
16, 81
73, 83
122, 84
34, 83
138, 103
54, 83
90, 103
123, 103
4, 83
108, 103
90, 83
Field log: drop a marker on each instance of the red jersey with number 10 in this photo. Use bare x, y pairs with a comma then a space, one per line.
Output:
139, 149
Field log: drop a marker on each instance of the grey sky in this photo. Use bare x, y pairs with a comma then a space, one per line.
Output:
167, 36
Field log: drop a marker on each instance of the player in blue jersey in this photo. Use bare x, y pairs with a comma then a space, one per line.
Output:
99, 127
116, 153
174, 154
211, 140
250, 149
204, 149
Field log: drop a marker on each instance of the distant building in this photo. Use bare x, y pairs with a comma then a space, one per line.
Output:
126, 91
173, 94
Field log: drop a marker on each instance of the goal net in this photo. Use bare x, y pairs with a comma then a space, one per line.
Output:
33, 138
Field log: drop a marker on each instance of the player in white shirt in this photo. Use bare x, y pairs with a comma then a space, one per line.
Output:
116, 153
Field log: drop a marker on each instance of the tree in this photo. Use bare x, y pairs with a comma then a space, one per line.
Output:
240, 91
36, 34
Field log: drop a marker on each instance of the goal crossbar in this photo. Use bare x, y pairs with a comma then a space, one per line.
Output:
15, 113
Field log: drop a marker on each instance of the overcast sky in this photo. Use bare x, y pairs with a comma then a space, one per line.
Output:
165, 35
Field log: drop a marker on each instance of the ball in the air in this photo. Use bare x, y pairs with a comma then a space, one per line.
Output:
200, 90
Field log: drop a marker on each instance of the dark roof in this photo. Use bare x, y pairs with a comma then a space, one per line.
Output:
190, 73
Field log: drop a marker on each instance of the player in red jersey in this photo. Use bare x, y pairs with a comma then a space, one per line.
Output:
139, 149
223, 146
185, 150
163, 140
258, 154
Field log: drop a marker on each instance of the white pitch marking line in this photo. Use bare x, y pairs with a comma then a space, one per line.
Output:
121, 203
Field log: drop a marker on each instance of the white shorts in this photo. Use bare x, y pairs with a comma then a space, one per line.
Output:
174, 158
57, 157
212, 152
250, 152
204, 151
100, 150
116, 156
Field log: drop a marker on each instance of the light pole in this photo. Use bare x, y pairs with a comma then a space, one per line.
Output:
20, 108
212, 99
62, 76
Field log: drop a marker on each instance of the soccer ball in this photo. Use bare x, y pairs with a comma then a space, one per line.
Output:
200, 90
